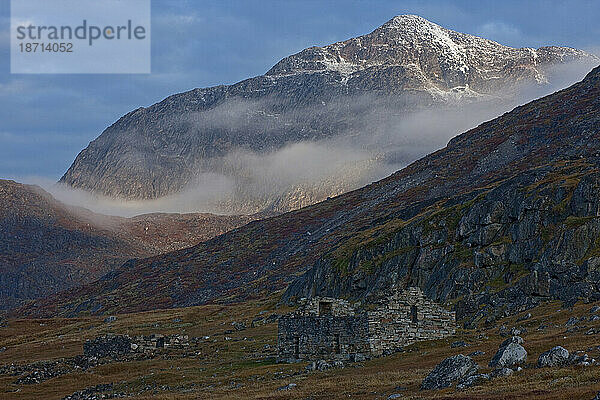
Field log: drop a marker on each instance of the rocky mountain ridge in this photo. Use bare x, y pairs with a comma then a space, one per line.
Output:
501, 218
442, 62
344, 90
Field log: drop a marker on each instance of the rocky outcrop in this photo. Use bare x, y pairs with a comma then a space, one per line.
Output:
555, 357
509, 248
480, 229
102, 391
462, 369
500, 249
40, 371
582, 359
450, 371
320, 93
511, 354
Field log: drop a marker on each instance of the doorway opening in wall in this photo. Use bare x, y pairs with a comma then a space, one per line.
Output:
413, 314
336, 344
297, 347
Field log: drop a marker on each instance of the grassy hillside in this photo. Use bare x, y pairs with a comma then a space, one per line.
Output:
234, 364
265, 256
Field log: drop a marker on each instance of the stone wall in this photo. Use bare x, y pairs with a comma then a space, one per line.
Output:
117, 345
324, 306
326, 337
407, 318
338, 332
157, 341
107, 346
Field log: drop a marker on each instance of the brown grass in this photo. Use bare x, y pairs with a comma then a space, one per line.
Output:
238, 369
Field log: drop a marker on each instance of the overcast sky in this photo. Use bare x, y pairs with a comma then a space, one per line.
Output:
47, 119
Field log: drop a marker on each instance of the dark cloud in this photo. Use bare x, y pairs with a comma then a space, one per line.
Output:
199, 44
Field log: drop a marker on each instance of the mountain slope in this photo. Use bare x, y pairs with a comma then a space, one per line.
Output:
349, 89
46, 246
542, 156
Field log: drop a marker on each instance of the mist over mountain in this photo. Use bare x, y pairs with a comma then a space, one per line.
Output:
411, 213
319, 123
501, 219
47, 246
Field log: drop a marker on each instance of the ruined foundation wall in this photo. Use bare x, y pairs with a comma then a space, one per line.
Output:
325, 328
116, 345
315, 338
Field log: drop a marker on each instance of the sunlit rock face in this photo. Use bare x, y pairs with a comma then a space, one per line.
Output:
350, 105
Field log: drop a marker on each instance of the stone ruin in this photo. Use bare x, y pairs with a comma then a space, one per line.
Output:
332, 329
117, 345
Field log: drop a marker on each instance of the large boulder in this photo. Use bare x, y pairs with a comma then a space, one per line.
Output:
452, 369
510, 354
555, 357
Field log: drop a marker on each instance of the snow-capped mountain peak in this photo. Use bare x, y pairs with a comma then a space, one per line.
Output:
441, 61
320, 93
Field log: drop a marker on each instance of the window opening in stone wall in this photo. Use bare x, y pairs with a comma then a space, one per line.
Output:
413, 314
324, 308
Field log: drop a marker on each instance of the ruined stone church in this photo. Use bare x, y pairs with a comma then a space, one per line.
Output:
329, 328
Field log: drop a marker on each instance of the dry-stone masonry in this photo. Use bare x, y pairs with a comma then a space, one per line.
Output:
116, 345
328, 328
